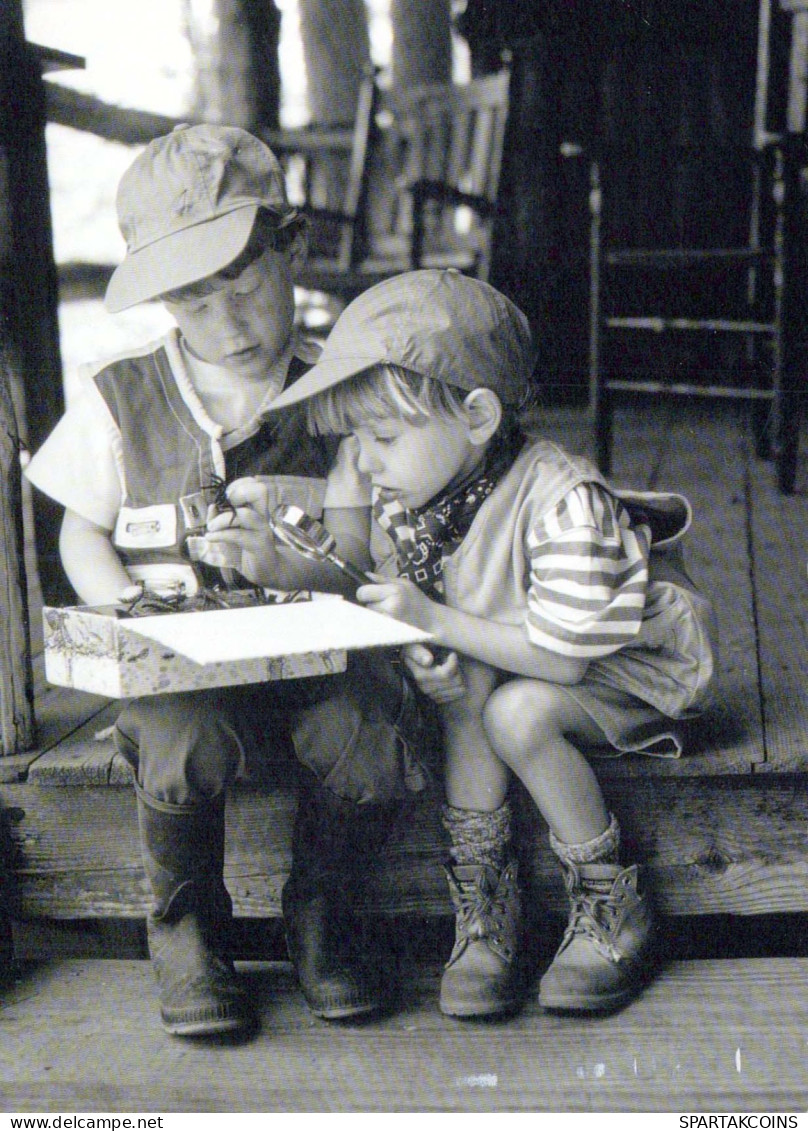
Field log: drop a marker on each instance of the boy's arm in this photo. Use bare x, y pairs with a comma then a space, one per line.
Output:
90, 561
502, 646
505, 646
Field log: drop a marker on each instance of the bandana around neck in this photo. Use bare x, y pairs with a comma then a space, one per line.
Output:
425, 536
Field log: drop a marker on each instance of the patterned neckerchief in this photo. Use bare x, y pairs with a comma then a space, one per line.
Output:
425, 536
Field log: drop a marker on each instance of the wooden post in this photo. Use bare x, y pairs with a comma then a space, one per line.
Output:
235, 47
16, 677
422, 42
29, 326
336, 49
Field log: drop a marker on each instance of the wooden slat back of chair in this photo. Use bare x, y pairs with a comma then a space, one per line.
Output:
353, 237
332, 178
451, 136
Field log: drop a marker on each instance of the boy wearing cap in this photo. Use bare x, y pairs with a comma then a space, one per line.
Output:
571, 622
135, 461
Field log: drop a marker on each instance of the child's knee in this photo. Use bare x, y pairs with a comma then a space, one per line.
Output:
183, 748
522, 713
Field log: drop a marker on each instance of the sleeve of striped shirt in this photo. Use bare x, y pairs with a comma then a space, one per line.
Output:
588, 575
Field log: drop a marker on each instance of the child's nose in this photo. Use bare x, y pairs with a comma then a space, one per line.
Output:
365, 461
230, 312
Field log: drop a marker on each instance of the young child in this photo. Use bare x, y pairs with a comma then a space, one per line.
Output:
135, 461
570, 619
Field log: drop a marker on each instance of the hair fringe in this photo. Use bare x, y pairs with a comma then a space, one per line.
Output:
380, 392
385, 391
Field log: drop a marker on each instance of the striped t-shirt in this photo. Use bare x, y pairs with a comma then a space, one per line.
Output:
588, 575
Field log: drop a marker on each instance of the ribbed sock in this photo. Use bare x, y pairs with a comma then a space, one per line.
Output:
479, 837
602, 849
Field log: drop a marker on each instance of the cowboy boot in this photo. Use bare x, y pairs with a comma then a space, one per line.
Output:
183, 857
604, 957
480, 978
333, 844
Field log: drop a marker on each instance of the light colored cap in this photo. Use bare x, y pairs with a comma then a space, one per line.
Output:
186, 207
438, 323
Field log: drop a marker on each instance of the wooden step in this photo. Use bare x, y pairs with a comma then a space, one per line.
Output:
718, 1035
711, 844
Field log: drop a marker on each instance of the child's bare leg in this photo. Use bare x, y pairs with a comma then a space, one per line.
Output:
476, 777
603, 958
528, 723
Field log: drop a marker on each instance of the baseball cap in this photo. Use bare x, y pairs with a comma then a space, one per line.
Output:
438, 323
186, 207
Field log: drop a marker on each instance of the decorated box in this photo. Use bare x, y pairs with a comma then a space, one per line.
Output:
95, 649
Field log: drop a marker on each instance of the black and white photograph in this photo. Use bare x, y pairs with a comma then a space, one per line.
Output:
421, 381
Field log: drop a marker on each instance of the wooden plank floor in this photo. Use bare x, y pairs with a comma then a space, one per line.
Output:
716, 1035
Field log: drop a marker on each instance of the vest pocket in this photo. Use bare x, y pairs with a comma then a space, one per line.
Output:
146, 528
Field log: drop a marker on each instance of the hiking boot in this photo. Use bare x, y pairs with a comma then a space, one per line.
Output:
604, 957
479, 979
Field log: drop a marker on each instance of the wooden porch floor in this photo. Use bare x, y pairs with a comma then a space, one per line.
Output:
723, 1036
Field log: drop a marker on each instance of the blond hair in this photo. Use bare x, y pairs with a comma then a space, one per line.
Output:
381, 392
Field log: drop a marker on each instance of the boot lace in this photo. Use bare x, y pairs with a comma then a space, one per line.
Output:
483, 915
596, 915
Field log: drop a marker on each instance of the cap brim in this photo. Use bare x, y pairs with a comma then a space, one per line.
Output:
327, 373
180, 259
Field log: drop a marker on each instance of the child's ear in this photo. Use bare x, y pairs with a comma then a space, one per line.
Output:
484, 412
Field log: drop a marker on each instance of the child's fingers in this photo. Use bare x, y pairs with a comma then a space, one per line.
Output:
449, 694
448, 671
239, 517
247, 491
222, 555
250, 497
374, 594
446, 664
221, 520
419, 654
440, 688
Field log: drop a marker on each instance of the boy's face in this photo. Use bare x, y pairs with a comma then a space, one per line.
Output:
242, 324
413, 461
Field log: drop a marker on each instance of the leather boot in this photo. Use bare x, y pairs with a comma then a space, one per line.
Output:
334, 844
188, 929
604, 957
480, 978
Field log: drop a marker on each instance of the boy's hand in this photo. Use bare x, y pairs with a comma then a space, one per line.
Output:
400, 598
443, 682
242, 537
